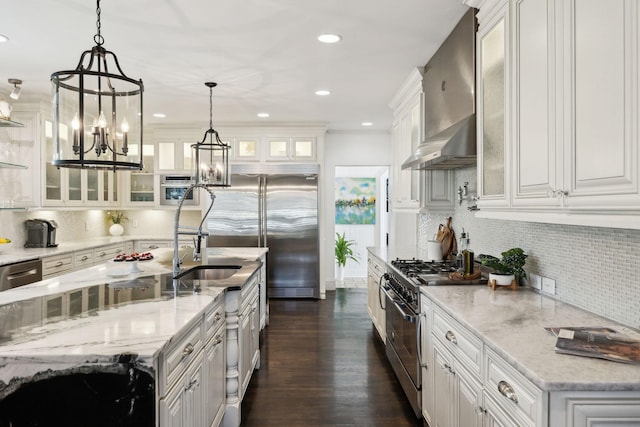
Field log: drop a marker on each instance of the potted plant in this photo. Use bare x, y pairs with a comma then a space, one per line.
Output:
116, 218
343, 252
508, 268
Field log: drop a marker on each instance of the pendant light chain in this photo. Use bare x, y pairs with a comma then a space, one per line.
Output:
211, 107
98, 37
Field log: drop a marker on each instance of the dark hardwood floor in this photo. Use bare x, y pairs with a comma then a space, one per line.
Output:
322, 366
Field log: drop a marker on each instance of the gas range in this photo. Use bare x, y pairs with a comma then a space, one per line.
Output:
405, 276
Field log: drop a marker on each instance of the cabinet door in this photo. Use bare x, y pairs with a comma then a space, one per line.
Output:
244, 149
244, 348
426, 354
255, 334
469, 398
215, 383
602, 409
184, 404
443, 398
438, 191
303, 149
492, 103
278, 149
601, 111
537, 156
494, 415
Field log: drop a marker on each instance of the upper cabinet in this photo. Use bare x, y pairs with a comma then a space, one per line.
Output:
70, 187
492, 60
407, 133
570, 105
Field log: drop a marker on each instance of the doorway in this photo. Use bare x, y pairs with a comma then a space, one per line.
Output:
361, 213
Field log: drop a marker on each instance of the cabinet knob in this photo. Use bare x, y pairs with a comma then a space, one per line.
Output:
188, 349
217, 317
507, 391
217, 340
450, 336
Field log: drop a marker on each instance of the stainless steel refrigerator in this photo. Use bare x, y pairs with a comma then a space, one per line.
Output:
273, 206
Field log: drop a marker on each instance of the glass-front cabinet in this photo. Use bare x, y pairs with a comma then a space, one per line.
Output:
141, 184
75, 187
492, 103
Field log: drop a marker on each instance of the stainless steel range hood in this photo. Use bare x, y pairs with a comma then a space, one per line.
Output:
449, 91
452, 148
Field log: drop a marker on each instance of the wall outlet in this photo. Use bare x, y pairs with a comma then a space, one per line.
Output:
134, 223
548, 286
86, 226
535, 281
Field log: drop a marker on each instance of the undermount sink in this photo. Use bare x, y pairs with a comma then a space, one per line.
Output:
209, 272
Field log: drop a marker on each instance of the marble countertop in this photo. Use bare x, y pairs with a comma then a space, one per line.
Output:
512, 324
140, 327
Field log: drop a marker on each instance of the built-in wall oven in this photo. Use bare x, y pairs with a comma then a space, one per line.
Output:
403, 327
173, 187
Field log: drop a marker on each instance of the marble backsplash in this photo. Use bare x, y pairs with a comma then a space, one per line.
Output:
595, 268
84, 224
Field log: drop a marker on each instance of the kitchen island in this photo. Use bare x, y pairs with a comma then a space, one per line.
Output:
122, 328
487, 358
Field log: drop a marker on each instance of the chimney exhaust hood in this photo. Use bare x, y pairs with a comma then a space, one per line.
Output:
449, 92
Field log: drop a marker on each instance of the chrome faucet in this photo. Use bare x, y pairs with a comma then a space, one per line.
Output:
190, 231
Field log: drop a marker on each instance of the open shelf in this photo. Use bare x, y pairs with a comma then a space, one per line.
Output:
6, 123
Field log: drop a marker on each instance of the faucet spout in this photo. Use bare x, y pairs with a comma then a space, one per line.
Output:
198, 232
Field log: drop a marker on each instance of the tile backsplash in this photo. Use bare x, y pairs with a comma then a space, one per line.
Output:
595, 268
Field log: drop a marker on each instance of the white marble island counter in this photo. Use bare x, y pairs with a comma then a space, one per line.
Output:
127, 323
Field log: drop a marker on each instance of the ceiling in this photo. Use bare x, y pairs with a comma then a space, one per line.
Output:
263, 54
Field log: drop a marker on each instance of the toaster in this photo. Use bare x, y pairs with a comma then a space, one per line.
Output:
41, 233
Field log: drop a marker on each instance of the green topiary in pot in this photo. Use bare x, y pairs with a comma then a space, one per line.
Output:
511, 263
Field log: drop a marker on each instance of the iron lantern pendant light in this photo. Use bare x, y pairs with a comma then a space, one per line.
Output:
97, 113
212, 158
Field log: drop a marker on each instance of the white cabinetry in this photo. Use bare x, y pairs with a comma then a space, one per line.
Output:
492, 88
578, 409
457, 389
214, 366
571, 96
375, 298
68, 187
243, 351
139, 185
407, 133
291, 149
174, 155
427, 359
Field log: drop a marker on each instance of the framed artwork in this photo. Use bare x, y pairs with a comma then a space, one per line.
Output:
355, 200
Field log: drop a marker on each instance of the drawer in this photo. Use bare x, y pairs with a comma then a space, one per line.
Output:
214, 317
107, 253
83, 258
148, 245
464, 345
512, 391
56, 264
180, 354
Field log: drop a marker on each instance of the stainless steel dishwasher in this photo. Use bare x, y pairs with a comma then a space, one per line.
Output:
20, 274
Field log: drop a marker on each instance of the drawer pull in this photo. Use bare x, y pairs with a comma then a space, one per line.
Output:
217, 317
193, 384
102, 254
59, 264
451, 337
188, 349
153, 246
84, 258
217, 340
507, 391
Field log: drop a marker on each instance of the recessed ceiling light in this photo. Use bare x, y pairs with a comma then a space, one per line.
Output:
367, 124
159, 115
263, 115
322, 92
329, 38
3, 38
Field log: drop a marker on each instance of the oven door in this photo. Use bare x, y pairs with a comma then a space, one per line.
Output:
402, 346
173, 187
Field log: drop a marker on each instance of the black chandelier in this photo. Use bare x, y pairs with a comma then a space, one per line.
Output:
97, 113
212, 158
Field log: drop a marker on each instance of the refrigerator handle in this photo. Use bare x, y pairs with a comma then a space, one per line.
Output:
263, 212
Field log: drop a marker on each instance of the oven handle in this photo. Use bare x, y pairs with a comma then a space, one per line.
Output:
422, 364
384, 277
406, 316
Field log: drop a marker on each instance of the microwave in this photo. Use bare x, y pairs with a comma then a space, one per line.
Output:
173, 187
